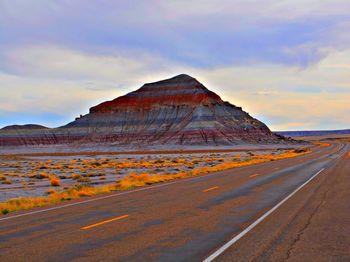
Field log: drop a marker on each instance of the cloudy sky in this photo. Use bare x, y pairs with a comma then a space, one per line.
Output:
286, 62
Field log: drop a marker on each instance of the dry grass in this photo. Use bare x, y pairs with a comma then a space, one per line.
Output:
54, 197
137, 180
321, 144
341, 140
134, 180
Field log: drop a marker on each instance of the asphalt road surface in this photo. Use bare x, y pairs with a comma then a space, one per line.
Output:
293, 209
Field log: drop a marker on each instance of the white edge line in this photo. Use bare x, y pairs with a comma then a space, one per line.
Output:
245, 231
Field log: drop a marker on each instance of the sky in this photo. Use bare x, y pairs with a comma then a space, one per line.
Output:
286, 62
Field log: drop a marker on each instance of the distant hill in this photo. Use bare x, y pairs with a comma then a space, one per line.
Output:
313, 133
175, 111
23, 127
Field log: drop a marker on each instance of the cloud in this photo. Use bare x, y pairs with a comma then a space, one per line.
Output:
49, 80
198, 33
287, 97
67, 82
62, 63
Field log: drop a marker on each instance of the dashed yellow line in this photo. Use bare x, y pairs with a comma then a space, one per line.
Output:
210, 189
104, 222
254, 175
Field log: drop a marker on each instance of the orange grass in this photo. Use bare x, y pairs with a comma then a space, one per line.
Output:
137, 180
55, 197
322, 144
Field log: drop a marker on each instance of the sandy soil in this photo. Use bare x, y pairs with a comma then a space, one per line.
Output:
30, 175
322, 138
110, 149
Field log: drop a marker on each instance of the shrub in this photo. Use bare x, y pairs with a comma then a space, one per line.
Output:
42, 175
5, 211
83, 179
2, 177
55, 181
85, 193
50, 191
96, 163
76, 176
6, 182
300, 150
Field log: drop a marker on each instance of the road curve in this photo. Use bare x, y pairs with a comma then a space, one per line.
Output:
184, 220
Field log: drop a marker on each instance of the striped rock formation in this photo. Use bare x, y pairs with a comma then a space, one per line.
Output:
179, 111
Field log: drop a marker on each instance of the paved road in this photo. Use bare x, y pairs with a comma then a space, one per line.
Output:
192, 219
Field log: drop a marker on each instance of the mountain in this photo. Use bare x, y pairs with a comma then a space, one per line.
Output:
175, 111
21, 127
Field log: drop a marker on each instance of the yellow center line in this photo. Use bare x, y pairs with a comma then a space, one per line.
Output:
254, 175
276, 168
104, 222
210, 189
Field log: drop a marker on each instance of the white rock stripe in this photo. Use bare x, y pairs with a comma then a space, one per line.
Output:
245, 231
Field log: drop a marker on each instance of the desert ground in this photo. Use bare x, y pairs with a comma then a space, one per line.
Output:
23, 177
275, 205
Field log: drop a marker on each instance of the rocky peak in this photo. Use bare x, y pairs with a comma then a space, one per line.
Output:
176, 91
179, 79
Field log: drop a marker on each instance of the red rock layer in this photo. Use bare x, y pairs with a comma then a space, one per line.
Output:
180, 90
